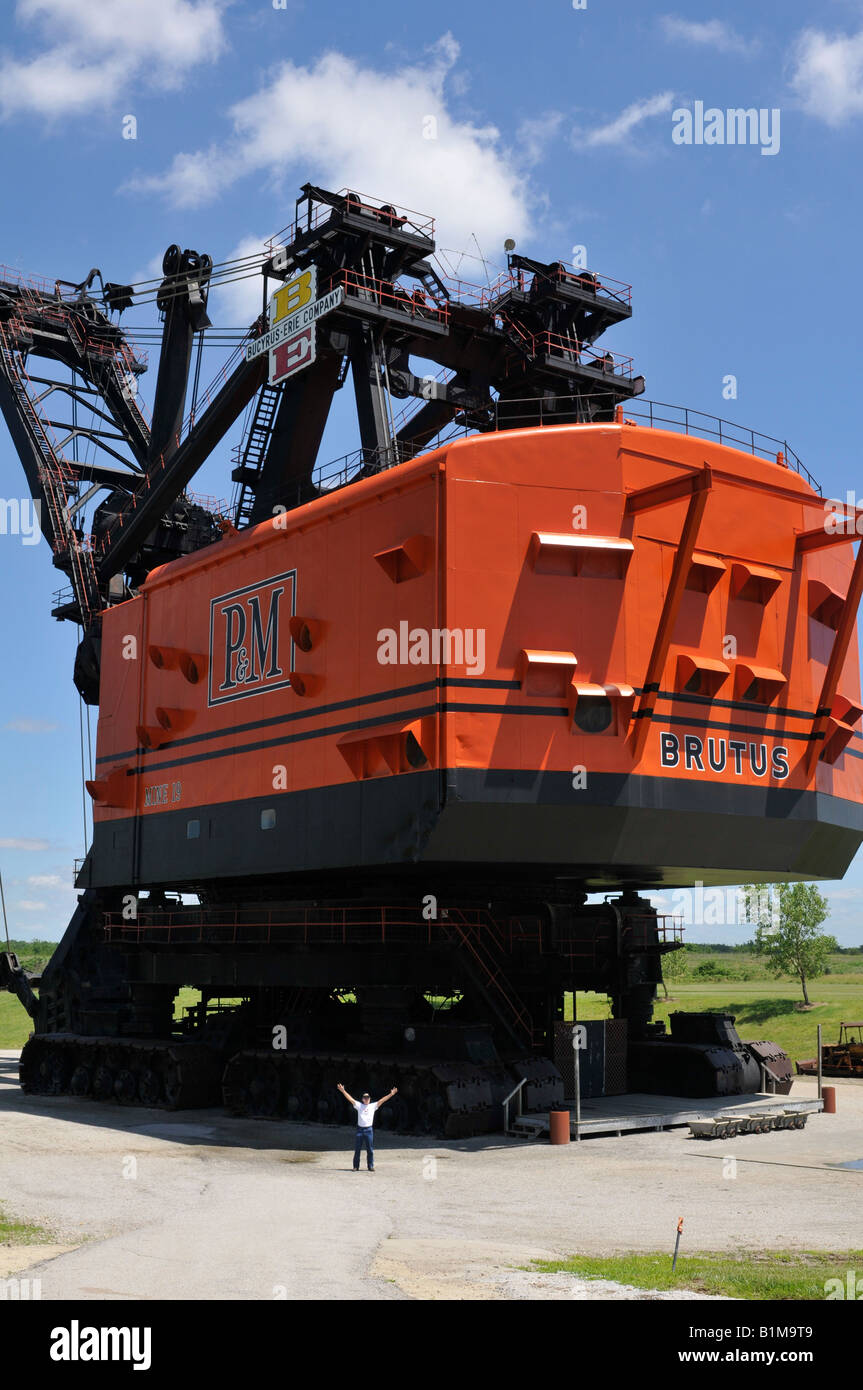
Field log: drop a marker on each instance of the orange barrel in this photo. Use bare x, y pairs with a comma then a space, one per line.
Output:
558, 1126
828, 1095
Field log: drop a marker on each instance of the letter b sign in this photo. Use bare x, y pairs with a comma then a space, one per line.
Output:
292, 296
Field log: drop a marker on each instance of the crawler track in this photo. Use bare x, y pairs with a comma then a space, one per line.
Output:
447, 1099
130, 1071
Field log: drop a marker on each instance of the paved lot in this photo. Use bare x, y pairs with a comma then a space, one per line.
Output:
195, 1204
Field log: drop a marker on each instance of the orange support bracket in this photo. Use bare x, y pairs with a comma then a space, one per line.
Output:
697, 487
661, 494
820, 536
838, 654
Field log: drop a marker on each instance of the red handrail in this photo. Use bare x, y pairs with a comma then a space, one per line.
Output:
357, 285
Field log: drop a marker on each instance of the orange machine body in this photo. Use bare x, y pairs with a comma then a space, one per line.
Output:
449, 664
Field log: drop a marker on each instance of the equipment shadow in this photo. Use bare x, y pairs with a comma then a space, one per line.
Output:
759, 1010
213, 1128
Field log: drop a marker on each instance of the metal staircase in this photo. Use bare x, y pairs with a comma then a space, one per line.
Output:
484, 953
57, 482
251, 454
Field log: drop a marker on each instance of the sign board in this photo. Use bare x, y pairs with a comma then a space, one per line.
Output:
251, 648
294, 311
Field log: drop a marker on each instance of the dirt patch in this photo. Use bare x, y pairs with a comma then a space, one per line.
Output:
15, 1258
442, 1270
451, 1269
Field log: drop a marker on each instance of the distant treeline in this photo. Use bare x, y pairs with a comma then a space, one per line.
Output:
32, 955
29, 951
725, 948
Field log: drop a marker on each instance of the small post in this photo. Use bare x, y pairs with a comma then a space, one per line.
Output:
820, 1088
677, 1244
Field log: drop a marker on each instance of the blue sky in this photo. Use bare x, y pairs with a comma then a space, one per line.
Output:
552, 125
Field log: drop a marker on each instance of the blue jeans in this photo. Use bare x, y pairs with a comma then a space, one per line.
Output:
365, 1136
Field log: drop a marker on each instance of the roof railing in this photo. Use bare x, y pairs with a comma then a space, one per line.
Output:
11, 276
549, 344
533, 412
217, 506
363, 203
388, 294
602, 286
696, 422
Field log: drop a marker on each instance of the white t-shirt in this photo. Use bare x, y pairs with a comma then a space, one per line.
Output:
365, 1113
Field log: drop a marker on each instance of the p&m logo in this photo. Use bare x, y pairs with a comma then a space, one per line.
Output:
251, 649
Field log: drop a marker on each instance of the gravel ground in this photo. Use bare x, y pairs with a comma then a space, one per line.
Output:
196, 1204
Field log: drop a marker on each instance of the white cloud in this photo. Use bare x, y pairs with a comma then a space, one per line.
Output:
828, 75
388, 134
30, 726
90, 52
616, 132
535, 134
238, 303
150, 274
46, 881
27, 905
34, 846
714, 33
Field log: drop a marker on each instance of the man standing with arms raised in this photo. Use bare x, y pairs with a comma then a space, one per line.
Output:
365, 1109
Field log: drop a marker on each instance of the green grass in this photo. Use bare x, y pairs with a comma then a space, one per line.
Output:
22, 1233
186, 997
15, 1024
771, 1275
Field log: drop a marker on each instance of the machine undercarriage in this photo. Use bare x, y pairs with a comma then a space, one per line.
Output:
455, 1005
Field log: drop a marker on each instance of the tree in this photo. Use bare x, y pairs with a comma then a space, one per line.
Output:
674, 966
787, 920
